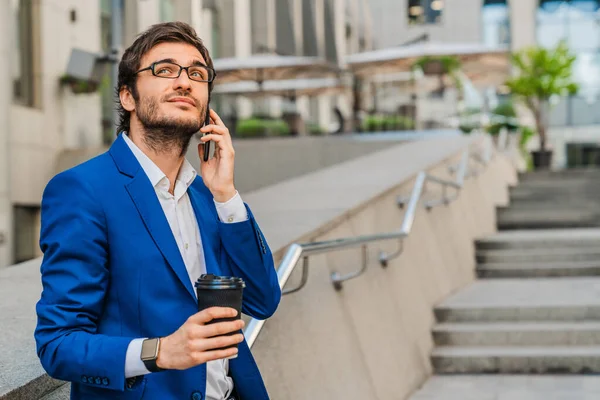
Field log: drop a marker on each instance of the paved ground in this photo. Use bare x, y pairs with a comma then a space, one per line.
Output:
510, 387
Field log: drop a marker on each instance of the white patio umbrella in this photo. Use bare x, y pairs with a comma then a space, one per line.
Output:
482, 64
268, 67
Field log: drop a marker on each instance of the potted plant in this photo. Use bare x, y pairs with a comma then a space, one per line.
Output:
541, 74
78, 85
440, 66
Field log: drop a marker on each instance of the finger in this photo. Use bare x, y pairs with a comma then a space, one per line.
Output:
220, 140
221, 328
211, 313
214, 355
214, 128
216, 118
217, 342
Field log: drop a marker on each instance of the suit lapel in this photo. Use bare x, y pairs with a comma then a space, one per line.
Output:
144, 197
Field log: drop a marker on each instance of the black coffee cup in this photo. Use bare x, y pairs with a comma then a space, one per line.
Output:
220, 291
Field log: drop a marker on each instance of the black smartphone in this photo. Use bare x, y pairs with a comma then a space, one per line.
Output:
207, 144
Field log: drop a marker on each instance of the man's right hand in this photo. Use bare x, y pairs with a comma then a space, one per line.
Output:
194, 342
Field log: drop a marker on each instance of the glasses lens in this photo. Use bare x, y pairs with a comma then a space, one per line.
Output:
166, 70
199, 73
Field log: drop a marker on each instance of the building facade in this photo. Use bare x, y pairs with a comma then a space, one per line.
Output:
41, 119
574, 121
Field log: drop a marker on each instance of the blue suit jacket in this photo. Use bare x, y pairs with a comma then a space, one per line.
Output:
112, 272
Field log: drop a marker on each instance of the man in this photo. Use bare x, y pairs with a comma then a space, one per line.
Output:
125, 234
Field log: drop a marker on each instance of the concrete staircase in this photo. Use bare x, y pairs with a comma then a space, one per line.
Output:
553, 199
535, 309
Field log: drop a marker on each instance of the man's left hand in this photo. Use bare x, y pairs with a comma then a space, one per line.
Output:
217, 172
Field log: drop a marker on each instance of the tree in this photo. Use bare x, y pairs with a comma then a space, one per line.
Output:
541, 74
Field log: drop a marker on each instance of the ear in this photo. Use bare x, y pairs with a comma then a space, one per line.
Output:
126, 98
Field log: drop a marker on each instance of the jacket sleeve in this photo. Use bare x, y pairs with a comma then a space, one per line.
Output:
249, 257
75, 279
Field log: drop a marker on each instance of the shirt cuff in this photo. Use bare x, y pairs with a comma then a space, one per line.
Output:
134, 366
233, 210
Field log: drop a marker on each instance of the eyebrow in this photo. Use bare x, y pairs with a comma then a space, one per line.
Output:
195, 63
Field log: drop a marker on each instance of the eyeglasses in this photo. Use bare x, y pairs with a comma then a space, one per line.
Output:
170, 70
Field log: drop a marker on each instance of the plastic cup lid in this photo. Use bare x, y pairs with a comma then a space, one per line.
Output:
211, 281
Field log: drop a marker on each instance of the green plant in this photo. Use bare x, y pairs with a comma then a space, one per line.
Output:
257, 127
372, 123
440, 66
541, 74
526, 134
314, 129
437, 65
503, 110
79, 85
469, 120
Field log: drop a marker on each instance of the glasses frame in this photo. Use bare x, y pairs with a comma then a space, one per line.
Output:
152, 66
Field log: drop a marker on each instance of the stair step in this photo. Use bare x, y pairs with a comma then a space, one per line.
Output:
535, 299
509, 387
527, 239
585, 333
517, 360
558, 175
537, 255
539, 269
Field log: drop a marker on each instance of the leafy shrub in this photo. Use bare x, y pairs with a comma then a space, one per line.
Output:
258, 127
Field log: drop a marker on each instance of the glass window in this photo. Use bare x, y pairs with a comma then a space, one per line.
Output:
425, 11
167, 10
496, 25
578, 23
23, 64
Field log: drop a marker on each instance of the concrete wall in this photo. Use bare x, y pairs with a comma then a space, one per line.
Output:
372, 340
264, 162
461, 22
5, 100
523, 22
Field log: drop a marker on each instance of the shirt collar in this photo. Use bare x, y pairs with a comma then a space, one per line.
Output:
186, 175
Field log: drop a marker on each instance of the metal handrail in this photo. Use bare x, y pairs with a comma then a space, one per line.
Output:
297, 251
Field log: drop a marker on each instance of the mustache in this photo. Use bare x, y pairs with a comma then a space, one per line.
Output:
180, 94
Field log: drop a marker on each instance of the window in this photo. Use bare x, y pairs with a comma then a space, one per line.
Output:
23, 64
495, 23
167, 10
578, 23
26, 228
425, 11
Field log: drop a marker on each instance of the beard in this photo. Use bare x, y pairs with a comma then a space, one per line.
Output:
163, 133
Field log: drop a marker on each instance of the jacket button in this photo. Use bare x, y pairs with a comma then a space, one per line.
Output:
105, 381
196, 396
84, 379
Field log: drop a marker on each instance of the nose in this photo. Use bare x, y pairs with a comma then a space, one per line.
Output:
183, 81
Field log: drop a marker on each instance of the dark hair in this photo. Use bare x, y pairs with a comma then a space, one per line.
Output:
169, 32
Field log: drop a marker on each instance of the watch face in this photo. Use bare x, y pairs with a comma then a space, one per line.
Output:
149, 349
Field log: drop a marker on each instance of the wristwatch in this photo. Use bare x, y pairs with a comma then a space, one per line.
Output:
149, 354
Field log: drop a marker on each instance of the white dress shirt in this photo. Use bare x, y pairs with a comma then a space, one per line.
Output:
182, 220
